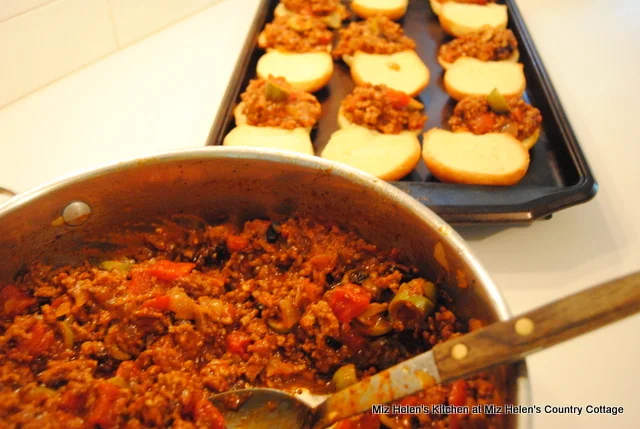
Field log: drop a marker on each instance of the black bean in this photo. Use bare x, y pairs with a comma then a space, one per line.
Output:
358, 276
272, 234
56, 384
211, 256
408, 274
333, 343
43, 300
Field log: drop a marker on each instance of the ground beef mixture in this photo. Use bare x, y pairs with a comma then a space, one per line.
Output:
377, 35
291, 109
486, 45
383, 109
297, 33
473, 114
141, 340
313, 7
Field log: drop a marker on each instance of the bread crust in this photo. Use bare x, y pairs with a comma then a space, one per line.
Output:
442, 156
459, 75
531, 141
386, 156
294, 68
512, 59
367, 8
411, 79
455, 28
436, 6
296, 140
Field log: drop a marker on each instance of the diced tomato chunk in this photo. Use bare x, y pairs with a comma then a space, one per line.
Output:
365, 421
457, 397
103, 411
142, 278
324, 262
140, 281
127, 370
348, 302
409, 400
58, 301
14, 301
237, 342
484, 123
398, 99
236, 243
162, 303
72, 402
169, 271
354, 341
369, 421
207, 415
40, 338
458, 394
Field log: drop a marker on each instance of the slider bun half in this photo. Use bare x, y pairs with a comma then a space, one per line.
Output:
386, 156
469, 76
461, 18
296, 140
403, 71
496, 159
304, 71
392, 9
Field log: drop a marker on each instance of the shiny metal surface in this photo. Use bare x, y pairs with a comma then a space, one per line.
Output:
237, 184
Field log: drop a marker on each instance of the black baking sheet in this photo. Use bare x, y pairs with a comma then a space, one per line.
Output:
558, 176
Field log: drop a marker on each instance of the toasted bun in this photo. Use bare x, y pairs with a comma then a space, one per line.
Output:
411, 77
531, 141
281, 10
488, 159
307, 72
386, 156
343, 122
241, 118
296, 140
468, 76
436, 6
461, 18
392, 9
348, 60
512, 59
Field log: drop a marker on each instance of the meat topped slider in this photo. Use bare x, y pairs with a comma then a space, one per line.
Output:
498, 114
298, 49
488, 44
332, 12
378, 134
379, 53
273, 114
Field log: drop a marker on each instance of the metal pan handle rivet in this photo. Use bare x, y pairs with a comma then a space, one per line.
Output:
459, 351
76, 213
524, 326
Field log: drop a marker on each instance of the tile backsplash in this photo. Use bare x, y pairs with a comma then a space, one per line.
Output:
44, 40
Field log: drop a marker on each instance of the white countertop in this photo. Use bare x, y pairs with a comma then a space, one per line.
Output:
163, 93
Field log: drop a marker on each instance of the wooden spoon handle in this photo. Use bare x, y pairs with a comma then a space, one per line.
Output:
538, 329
